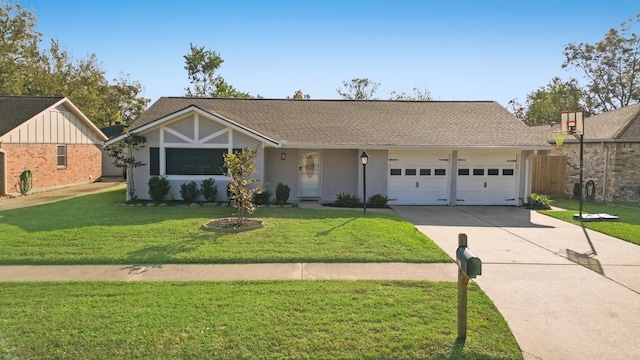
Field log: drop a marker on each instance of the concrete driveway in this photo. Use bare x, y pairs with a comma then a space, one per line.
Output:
566, 292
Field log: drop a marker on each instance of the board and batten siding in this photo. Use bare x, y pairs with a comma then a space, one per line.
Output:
55, 126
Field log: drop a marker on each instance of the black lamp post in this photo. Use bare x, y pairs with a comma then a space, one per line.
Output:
364, 158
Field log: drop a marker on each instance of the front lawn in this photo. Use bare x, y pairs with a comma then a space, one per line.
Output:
94, 230
248, 320
627, 228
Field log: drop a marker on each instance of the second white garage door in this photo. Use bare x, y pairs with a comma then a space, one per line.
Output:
486, 179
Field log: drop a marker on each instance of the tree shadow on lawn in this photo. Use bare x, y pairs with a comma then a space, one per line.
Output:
162, 254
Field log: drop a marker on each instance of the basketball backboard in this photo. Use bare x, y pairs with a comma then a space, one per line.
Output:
572, 122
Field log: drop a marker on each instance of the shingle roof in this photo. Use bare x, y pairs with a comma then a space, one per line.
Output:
15, 110
610, 125
113, 130
371, 122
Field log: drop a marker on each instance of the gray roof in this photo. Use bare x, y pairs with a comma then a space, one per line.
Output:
362, 123
611, 125
15, 110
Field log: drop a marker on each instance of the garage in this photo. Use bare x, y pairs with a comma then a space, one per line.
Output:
418, 178
487, 179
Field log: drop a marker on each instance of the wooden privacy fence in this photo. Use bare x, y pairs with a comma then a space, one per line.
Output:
548, 174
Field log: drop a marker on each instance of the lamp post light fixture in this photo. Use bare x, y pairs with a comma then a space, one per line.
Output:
364, 158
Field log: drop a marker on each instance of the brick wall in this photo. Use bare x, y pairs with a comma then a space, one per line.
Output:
614, 168
84, 165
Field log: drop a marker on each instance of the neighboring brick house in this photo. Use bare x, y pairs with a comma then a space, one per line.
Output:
50, 137
611, 154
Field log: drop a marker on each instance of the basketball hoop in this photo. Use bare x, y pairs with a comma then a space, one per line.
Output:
559, 138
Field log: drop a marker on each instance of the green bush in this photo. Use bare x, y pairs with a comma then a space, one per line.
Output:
282, 194
158, 187
347, 200
262, 198
378, 201
538, 202
209, 189
189, 191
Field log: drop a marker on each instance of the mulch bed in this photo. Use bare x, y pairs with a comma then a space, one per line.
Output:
230, 224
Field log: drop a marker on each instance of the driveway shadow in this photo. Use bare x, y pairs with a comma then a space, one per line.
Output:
461, 216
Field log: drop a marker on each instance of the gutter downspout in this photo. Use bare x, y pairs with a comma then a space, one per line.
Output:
606, 171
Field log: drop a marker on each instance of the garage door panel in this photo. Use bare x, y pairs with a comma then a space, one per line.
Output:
487, 180
418, 178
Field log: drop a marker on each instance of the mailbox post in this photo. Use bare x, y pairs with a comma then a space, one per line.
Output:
469, 266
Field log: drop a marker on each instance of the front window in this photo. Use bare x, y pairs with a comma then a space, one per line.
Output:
195, 161
62, 155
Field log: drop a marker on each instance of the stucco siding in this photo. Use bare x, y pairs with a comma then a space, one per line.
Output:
281, 171
377, 168
339, 173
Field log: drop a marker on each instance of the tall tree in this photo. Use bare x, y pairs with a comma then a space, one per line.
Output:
545, 104
19, 53
201, 66
358, 89
611, 68
26, 70
517, 109
121, 101
418, 95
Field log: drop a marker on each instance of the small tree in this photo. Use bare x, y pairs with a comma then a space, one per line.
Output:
242, 187
122, 154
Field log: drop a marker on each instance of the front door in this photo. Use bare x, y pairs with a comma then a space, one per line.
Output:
310, 173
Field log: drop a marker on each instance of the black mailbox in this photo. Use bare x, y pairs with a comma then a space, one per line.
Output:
470, 264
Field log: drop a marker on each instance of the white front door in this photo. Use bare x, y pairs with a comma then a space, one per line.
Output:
310, 173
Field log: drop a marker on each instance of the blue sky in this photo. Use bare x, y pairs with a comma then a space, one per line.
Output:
457, 49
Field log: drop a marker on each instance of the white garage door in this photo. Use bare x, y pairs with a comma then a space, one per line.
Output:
486, 179
418, 178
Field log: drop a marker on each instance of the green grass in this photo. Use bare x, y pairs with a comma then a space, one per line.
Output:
94, 230
252, 320
627, 228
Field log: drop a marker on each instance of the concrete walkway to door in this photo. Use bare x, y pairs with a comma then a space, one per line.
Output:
566, 292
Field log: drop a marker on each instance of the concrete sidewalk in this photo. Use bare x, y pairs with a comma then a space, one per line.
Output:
227, 272
561, 299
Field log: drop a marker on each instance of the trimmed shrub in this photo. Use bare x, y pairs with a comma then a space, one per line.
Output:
209, 189
347, 200
538, 202
378, 201
262, 198
158, 187
282, 194
189, 191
